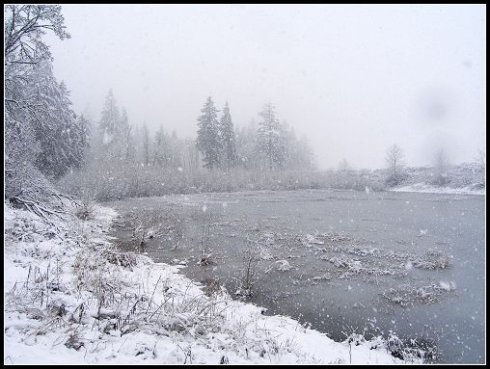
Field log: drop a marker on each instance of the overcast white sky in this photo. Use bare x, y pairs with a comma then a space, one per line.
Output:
354, 79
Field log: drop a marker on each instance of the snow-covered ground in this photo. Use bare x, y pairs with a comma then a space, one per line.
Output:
71, 298
426, 188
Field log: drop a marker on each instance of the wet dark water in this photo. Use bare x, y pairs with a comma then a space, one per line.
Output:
379, 235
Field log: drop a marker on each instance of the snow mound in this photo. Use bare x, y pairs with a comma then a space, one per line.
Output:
265, 254
313, 240
426, 188
283, 265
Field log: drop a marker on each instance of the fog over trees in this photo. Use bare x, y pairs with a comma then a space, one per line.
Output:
114, 151
241, 207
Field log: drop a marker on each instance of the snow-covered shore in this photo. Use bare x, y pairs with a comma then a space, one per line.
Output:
72, 298
426, 188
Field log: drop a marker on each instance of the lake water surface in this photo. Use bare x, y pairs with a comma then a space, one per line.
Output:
341, 261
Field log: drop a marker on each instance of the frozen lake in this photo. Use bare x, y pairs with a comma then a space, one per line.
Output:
342, 261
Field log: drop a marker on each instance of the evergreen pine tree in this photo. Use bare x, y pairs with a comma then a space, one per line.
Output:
146, 145
123, 138
208, 140
270, 144
227, 138
54, 124
80, 139
160, 148
130, 145
109, 120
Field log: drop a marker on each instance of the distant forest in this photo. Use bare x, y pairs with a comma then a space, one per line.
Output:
47, 144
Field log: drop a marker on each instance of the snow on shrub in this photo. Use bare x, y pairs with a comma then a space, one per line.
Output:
433, 259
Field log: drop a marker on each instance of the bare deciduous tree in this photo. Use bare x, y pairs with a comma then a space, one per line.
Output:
395, 163
343, 166
24, 26
441, 164
394, 159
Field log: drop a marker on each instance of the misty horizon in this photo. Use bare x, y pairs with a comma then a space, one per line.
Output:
353, 79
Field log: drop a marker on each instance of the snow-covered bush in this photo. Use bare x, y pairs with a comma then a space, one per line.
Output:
407, 295
84, 209
433, 259
248, 278
396, 179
